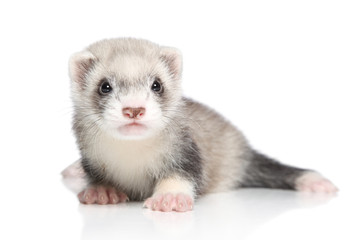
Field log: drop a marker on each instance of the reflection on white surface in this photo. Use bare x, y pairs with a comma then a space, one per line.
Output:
235, 214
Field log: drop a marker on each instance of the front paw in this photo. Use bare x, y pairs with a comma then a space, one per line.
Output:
170, 202
101, 195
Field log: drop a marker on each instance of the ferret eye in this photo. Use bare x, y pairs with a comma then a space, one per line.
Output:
156, 86
105, 88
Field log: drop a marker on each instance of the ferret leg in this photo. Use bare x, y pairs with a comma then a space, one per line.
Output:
97, 192
74, 170
268, 173
312, 181
172, 194
101, 195
74, 177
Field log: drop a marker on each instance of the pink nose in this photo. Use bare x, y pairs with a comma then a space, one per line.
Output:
133, 112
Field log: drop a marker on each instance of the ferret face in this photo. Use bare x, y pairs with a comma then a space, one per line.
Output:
126, 87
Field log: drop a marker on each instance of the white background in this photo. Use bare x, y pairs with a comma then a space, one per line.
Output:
285, 72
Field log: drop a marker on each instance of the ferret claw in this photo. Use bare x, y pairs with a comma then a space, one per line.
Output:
102, 195
170, 202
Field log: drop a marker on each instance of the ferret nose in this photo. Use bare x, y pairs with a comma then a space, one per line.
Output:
133, 112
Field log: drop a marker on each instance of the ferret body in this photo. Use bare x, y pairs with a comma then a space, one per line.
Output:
140, 139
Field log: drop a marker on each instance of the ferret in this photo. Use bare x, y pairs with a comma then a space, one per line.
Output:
140, 139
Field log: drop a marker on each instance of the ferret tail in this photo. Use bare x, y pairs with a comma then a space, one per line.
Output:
265, 172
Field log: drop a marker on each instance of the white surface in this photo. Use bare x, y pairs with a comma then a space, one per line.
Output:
285, 72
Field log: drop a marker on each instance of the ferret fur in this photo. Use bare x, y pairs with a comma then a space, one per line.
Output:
186, 147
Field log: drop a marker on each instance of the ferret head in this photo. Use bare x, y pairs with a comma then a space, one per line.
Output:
129, 88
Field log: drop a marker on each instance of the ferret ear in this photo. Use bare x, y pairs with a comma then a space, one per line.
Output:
173, 59
79, 66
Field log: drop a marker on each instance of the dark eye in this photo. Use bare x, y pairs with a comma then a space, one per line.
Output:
105, 88
156, 86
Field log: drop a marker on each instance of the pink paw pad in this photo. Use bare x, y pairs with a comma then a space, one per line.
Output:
101, 195
170, 202
314, 182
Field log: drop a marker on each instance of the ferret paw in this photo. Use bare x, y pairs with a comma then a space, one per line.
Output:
170, 202
75, 170
102, 195
314, 182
